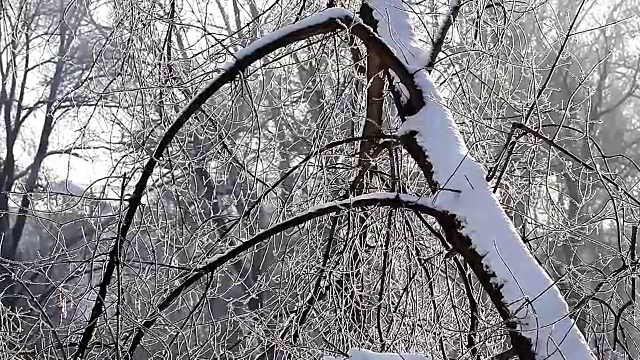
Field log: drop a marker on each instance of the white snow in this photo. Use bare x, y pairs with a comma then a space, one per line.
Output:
321, 17
361, 354
394, 26
67, 187
536, 302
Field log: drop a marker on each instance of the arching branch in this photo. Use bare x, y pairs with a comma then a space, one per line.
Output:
328, 21
394, 200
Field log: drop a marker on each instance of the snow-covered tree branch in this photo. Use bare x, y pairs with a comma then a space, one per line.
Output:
477, 227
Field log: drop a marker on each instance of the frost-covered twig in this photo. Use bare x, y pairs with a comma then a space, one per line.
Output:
515, 126
454, 8
327, 21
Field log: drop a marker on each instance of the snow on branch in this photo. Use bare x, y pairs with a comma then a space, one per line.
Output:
394, 26
527, 299
311, 21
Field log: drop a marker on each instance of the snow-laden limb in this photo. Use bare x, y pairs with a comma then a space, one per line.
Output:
321, 17
362, 354
535, 303
394, 27
394, 23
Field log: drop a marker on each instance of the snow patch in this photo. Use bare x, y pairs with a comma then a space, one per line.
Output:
321, 17
67, 187
394, 25
361, 354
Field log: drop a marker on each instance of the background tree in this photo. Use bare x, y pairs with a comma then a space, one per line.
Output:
50, 86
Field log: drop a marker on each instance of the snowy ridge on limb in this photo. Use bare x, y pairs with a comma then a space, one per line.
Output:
425, 201
531, 297
394, 27
323, 16
362, 354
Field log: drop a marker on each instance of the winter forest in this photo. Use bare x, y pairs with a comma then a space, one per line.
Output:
303, 179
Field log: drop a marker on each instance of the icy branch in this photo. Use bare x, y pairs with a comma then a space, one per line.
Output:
325, 22
210, 266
